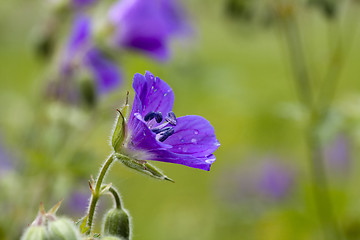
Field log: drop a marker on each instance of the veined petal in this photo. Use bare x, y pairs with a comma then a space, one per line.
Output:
151, 94
107, 74
193, 135
203, 163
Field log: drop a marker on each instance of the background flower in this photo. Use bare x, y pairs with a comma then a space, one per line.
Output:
147, 25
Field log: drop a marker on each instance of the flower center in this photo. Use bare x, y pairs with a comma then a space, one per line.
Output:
164, 130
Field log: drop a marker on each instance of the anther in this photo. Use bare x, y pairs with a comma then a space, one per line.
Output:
158, 117
160, 130
166, 134
149, 116
171, 118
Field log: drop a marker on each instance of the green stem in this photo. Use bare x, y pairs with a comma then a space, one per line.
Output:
306, 96
116, 197
320, 184
96, 191
298, 62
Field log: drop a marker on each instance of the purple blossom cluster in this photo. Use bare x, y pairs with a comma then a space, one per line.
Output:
143, 25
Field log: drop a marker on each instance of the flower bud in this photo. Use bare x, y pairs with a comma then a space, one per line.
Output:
35, 233
63, 228
47, 226
117, 224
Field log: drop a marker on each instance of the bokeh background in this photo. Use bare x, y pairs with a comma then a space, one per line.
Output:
233, 69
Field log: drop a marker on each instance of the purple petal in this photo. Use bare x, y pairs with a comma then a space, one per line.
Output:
80, 35
142, 138
146, 25
79, 41
107, 74
175, 16
151, 94
193, 135
203, 163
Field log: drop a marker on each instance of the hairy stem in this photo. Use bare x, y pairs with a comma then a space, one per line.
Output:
116, 197
96, 191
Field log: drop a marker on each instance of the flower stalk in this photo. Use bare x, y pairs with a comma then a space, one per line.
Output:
96, 191
316, 119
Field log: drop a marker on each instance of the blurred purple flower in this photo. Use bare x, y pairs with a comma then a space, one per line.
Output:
267, 180
337, 154
78, 202
6, 163
154, 133
81, 53
82, 3
147, 25
275, 179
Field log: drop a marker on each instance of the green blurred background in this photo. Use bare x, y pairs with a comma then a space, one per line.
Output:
234, 73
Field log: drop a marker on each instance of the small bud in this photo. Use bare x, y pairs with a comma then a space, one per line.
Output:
117, 224
63, 228
120, 128
47, 226
35, 233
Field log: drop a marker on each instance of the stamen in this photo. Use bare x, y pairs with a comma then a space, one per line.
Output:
158, 117
160, 130
171, 118
166, 134
149, 116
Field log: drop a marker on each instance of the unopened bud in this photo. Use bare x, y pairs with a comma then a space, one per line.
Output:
117, 224
35, 233
63, 228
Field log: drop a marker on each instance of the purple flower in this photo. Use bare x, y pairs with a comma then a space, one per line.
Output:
337, 154
147, 25
6, 163
77, 202
275, 179
81, 53
154, 132
266, 180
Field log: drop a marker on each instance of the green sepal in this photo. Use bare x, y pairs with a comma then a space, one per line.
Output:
117, 224
142, 167
120, 127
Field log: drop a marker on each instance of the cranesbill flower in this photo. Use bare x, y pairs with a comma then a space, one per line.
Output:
81, 53
153, 132
147, 25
